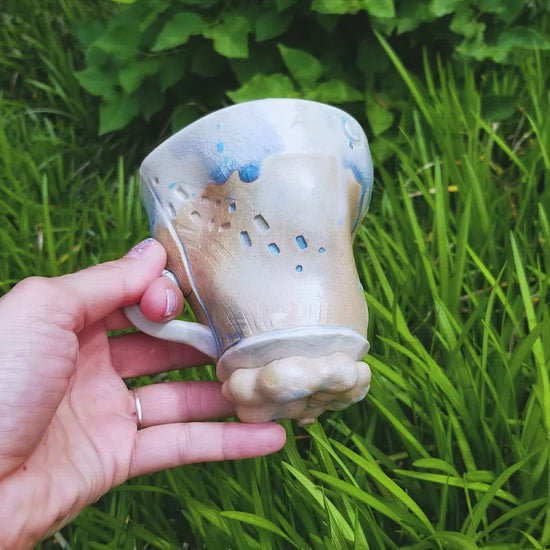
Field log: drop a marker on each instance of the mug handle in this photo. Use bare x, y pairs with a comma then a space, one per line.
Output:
185, 332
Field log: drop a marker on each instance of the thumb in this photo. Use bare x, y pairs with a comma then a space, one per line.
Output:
88, 296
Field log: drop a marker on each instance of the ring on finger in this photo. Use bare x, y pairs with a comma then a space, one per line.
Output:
138, 410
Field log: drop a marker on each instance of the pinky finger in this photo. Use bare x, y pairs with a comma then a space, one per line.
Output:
161, 447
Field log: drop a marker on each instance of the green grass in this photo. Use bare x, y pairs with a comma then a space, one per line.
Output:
451, 448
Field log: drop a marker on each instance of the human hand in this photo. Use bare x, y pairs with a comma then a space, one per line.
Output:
68, 423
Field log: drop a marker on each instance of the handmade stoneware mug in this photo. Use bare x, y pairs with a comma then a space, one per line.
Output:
257, 206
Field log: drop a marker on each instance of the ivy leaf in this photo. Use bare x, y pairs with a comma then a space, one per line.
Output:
230, 36
377, 8
131, 76
261, 86
303, 67
271, 24
178, 30
334, 91
97, 81
379, 116
117, 112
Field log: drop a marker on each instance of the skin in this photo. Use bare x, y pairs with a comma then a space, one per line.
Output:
68, 423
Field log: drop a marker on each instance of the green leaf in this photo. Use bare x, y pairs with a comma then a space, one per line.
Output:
303, 67
334, 91
271, 24
523, 37
178, 30
171, 69
150, 99
262, 86
201, 3
131, 76
439, 8
121, 39
230, 36
117, 113
257, 521
284, 4
376, 8
182, 116
464, 22
379, 116
380, 8
206, 62
97, 81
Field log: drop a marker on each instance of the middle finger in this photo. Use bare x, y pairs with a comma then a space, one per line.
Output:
139, 354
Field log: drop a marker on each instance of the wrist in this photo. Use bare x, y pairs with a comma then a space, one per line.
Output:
23, 522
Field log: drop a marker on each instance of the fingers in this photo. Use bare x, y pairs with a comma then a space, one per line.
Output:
161, 301
171, 402
140, 354
83, 298
172, 445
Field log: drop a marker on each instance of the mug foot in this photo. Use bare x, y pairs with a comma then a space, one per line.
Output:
297, 387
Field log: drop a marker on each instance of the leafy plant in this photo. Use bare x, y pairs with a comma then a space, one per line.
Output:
180, 58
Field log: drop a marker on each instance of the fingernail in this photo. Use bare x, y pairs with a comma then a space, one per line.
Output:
139, 250
171, 302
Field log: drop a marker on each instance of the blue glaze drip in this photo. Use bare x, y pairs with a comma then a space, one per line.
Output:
241, 144
364, 177
274, 249
250, 172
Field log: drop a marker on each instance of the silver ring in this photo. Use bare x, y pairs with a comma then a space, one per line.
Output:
138, 409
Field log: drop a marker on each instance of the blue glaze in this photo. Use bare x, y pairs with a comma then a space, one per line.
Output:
172, 185
231, 207
301, 242
249, 173
274, 249
299, 268
364, 176
243, 150
322, 250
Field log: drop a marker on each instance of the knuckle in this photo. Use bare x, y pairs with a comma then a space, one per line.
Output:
35, 286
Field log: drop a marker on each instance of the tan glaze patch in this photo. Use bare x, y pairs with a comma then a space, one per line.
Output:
274, 253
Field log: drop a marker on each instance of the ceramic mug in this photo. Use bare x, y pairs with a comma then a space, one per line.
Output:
257, 206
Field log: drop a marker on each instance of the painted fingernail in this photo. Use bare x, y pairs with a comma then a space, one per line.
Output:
140, 248
171, 302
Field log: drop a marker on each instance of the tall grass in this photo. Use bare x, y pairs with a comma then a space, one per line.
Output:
451, 448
